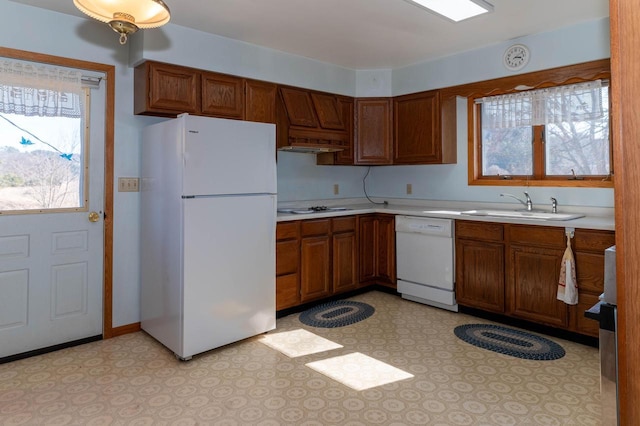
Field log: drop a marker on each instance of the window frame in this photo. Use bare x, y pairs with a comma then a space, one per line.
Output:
571, 74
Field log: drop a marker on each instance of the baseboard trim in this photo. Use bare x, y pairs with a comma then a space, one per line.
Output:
125, 329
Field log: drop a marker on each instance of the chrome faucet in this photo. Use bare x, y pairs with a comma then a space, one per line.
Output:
528, 204
554, 205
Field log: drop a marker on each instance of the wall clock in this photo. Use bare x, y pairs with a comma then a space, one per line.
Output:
516, 57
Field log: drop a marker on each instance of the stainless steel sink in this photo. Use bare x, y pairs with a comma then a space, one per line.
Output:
523, 214
309, 210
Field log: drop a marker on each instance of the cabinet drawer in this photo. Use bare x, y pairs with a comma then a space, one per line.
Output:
344, 224
593, 240
287, 230
315, 227
287, 257
479, 230
537, 235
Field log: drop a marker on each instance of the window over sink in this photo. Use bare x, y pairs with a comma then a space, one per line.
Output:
551, 128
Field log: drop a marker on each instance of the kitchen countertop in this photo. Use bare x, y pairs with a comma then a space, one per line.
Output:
595, 218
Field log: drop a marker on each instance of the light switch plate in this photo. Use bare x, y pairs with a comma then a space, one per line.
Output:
128, 184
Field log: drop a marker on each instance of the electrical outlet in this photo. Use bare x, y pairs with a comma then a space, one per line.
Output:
409, 188
336, 189
128, 184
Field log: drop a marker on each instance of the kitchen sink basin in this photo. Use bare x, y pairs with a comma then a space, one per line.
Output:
523, 214
309, 210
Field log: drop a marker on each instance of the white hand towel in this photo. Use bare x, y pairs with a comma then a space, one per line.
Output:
567, 284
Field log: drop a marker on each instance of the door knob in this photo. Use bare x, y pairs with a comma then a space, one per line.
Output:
94, 217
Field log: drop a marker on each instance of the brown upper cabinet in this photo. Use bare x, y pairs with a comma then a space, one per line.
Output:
417, 133
329, 111
412, 129
310, 120
260, 101
168, 90
310, 109
299, 107
222, 95
373, 133
346, 156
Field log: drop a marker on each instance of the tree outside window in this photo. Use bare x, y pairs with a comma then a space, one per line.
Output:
548, 134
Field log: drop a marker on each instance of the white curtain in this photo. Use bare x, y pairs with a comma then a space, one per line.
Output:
39, 90
553, 105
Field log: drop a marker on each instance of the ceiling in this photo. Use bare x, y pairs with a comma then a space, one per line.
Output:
366, 34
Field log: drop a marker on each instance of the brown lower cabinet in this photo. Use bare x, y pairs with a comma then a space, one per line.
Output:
377, 250
513, 270
480, 265
315, 259
287, 264
533, 267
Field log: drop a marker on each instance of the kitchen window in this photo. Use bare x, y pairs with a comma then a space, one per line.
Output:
552, 135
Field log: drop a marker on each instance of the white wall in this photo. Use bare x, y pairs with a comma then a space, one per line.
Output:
179, 45
580, 43
584, 42
374, 83
300, 179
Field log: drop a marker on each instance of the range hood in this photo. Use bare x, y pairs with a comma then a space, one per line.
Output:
310, 122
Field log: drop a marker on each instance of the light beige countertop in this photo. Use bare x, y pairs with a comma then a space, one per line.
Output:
595, 217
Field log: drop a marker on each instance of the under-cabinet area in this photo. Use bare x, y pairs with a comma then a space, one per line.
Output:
509, 269
513, 270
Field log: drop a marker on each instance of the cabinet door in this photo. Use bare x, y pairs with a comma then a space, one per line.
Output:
328, 110
480, 275
346, 156
386, 265
373, 131
315, 280
166, 89
299, 107
345, 261
589, 246
260, 101
222, 95
417, 129
368, 248
533, 277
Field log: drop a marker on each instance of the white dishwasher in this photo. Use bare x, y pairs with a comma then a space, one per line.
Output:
425, 261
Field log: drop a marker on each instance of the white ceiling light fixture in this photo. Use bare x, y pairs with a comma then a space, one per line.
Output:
455, 10
126, 16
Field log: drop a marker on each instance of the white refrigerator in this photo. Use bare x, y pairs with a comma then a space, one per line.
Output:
208, 216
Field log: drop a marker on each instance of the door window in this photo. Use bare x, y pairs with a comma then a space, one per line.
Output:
43, 139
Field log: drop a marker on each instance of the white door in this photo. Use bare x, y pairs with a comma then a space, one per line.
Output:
51, 257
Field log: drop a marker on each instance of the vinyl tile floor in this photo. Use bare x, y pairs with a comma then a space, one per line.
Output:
401, 366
